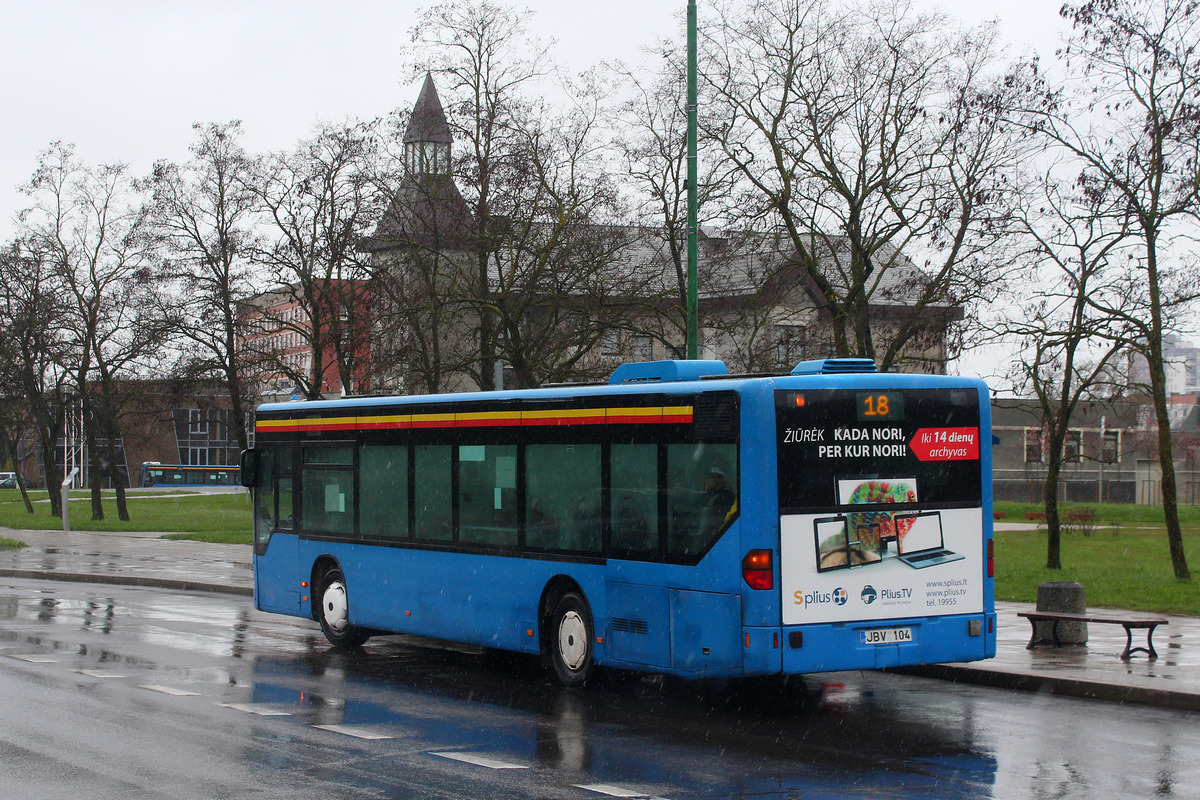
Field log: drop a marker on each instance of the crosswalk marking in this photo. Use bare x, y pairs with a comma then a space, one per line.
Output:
480, 761
356, 732
99, 673
261, 709
615, 791
171, 690
36, 659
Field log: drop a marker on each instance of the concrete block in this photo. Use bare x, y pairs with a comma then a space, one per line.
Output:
1065, 597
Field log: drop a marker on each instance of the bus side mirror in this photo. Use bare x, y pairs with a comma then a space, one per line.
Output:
249, 468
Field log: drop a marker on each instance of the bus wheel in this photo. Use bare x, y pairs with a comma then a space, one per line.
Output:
571, 640
334, 612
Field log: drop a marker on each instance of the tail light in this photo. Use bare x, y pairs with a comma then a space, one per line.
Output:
757, 570
991, 558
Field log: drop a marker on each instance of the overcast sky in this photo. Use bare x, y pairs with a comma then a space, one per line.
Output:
124, 80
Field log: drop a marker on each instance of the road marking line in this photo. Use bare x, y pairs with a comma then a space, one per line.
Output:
261, 709
610, 790
37, 659
479, 761
171, 690
357, 733
99, 673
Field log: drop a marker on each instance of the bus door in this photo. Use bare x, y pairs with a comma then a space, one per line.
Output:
276, 546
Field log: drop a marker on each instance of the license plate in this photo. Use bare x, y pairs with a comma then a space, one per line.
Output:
885, 635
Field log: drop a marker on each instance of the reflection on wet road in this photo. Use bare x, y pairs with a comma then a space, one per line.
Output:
122, 692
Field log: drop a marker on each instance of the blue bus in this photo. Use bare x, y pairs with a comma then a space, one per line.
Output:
158, 474
676, 520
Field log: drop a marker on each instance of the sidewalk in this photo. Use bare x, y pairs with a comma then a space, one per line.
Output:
130, 559
1093, 671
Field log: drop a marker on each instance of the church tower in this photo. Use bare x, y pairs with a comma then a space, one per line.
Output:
426, 209
427, 138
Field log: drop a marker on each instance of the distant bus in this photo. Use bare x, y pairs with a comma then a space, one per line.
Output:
677, 520
156, 474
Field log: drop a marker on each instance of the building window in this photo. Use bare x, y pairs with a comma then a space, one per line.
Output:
610, 343
1033, 446
643, 348
786, 341
1072, 452
1110, 447
197, 422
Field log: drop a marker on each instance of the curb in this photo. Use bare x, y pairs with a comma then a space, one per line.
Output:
1067, 687
128, 580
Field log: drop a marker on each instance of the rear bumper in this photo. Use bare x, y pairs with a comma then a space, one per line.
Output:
839, 646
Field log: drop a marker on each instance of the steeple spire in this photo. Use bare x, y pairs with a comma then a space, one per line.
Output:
427, 138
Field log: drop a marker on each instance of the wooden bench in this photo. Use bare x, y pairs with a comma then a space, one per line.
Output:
1129, 623
1035, 515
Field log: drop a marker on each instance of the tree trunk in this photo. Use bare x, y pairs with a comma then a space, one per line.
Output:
94, 465
15, 455
1050, 497
1158, 390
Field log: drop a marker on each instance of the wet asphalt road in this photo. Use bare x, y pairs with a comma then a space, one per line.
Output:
130, 693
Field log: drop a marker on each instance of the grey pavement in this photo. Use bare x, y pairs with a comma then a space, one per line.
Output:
1094, 670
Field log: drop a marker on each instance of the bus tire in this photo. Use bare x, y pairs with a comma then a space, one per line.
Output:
570, 640
333, 612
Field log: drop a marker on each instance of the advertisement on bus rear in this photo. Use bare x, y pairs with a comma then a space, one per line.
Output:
880, 496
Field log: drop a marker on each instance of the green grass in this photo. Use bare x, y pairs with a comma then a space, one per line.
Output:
1125, 563
10, 544
1107, 514
1129, 569
209, 517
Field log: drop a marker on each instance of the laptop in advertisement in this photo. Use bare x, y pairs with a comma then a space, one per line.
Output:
923, 546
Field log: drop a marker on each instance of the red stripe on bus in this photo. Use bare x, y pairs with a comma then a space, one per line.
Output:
601, 416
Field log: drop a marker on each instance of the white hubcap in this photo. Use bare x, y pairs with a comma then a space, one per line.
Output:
572, 640
334, 607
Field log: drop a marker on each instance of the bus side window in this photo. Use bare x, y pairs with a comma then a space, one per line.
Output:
327, 490
701, 495
383, 491
634, 469
487, 494
562, 497
432, 493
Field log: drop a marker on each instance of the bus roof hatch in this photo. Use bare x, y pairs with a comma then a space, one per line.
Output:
666, 371
834, 366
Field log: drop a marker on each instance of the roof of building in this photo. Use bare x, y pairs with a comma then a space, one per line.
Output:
429, 211
427, 123
426, 211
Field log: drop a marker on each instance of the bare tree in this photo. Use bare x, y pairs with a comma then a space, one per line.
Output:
483, 59
201, 216
566, 273
88, 226
422, 245
32, 306
650, 138
1130, 119
863, 134
320, 201
1070, 348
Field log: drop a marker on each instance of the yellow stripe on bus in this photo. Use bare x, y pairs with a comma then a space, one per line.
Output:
578, 416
